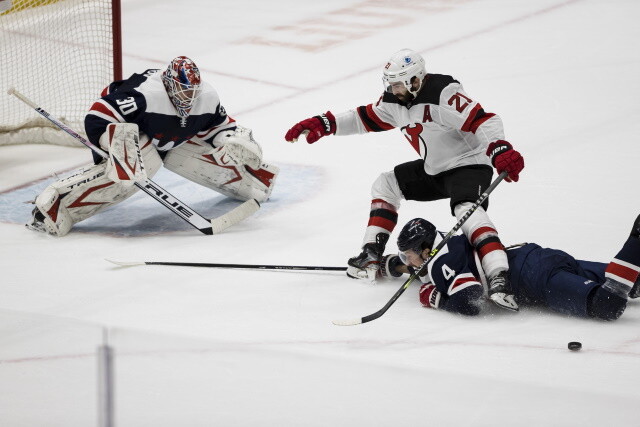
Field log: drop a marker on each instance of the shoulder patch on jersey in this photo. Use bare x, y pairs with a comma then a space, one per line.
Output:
434, 86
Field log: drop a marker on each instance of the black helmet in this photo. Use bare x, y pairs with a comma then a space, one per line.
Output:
418, 234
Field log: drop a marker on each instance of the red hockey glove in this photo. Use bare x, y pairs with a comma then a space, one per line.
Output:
316, 127
505, 158
429, 296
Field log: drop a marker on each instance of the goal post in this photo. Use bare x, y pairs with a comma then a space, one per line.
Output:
62, 53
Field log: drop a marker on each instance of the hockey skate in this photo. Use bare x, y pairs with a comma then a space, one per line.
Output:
500, 291
367, 265
37, 221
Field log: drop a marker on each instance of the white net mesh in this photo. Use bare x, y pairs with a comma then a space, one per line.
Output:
59, 53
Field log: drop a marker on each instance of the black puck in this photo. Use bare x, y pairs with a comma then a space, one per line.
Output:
574, 345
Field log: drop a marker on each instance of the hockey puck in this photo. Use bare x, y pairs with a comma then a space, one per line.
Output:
574, 345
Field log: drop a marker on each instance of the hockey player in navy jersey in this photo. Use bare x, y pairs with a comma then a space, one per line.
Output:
169, 117
457, 142
456, 281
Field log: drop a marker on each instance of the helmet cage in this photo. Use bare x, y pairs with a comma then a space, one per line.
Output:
182, 82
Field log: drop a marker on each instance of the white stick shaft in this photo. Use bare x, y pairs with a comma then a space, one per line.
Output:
46, 115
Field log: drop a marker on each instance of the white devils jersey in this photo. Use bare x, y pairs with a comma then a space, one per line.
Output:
443, 124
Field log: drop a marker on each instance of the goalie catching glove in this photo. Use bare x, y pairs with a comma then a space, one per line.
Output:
314, 128
238, 148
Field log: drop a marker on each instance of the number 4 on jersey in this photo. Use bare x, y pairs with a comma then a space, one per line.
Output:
447, 272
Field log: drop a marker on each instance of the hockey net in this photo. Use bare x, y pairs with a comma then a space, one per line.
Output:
61, 54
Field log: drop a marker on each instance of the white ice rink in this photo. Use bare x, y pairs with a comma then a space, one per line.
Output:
211, 347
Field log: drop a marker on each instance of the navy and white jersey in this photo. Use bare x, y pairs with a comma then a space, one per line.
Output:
539, 276
446, 127
143, 100
456, 273
552, 278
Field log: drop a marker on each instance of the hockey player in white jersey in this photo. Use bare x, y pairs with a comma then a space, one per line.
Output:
457, 142
160, 117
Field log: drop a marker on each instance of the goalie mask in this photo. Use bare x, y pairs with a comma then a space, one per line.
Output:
402, 68
182, 81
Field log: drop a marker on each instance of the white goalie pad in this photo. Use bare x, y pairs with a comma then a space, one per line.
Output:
87, 192
125, 164
240, 147
216, 169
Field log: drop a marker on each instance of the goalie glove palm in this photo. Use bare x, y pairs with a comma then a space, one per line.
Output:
315, 128
238, 148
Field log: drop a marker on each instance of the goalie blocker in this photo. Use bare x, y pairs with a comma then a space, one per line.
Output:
96, 187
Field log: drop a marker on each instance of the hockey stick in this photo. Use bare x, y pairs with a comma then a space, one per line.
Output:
239, 266
204, 225
423, 267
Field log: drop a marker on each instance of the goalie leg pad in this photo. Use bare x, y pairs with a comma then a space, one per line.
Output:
125, 164
85, 193
207, 166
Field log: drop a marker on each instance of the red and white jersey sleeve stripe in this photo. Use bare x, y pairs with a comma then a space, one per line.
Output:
105, 111
462, 281
367, 118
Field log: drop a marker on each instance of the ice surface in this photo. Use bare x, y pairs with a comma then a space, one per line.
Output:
229, 347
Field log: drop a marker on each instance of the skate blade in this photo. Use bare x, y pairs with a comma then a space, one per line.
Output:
40, 228
505, 301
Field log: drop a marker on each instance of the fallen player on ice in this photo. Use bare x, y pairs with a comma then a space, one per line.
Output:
455, 280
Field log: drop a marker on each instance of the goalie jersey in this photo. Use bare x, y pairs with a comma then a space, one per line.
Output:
443, 124
143, 100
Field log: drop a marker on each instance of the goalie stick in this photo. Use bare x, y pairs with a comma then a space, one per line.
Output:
204, 225
218, 265
423, 267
